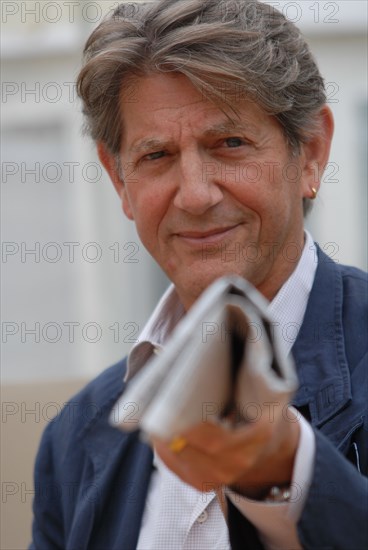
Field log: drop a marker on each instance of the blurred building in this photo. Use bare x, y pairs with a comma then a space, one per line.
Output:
77, 284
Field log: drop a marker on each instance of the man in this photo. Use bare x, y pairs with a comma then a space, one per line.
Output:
210, 118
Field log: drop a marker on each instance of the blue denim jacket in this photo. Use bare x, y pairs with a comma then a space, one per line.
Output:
91, 479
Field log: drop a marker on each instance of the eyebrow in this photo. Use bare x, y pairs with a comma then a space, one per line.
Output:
228, 127
154, 144
148, 144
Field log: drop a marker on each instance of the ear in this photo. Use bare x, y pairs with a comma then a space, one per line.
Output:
108, 161
316, 153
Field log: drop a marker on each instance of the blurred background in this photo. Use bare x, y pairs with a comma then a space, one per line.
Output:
77, 286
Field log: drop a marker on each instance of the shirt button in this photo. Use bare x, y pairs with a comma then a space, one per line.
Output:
202, 517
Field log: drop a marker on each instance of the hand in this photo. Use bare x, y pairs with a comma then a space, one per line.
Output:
249, 458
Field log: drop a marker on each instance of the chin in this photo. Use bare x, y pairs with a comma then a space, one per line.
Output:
191, 285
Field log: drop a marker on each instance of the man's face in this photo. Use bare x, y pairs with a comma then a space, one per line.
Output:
210, 196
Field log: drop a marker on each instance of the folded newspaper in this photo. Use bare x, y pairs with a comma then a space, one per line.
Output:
222, 364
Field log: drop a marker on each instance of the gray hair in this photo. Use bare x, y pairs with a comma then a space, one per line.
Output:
231, 50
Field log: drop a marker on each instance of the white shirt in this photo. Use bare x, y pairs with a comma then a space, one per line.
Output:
176, 515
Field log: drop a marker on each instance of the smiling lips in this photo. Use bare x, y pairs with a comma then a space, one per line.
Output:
205, 236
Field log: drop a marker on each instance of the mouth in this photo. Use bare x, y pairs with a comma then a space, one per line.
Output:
210, 236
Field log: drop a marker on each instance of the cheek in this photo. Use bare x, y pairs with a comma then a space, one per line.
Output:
266, 194
148, 208
254, 195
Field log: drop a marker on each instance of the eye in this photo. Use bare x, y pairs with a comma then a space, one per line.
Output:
234, 142
154, 156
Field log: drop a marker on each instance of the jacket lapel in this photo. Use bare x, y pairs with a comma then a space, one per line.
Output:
319, 351
111, 502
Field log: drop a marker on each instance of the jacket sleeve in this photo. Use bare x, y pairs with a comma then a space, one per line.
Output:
336, 511
67, 496
47, 530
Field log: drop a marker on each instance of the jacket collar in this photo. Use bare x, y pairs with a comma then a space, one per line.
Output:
319, 350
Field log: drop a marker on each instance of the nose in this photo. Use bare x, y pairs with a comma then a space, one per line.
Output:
197, 190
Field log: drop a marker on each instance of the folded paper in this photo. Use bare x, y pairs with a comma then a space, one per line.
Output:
223, 363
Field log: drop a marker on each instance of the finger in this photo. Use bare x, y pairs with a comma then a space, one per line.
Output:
215, 439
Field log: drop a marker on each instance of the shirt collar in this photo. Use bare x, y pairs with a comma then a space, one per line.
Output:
158, 328
287, 309
288, 306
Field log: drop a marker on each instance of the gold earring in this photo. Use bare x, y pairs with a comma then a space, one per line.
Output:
314, 193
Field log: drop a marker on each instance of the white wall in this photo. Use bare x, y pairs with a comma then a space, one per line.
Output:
63, 313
